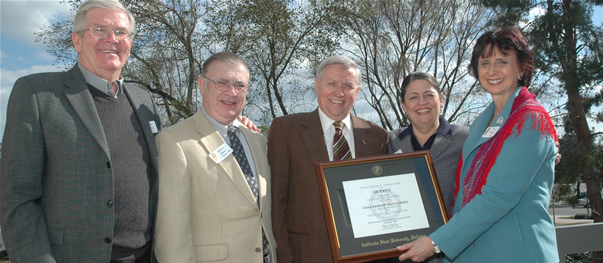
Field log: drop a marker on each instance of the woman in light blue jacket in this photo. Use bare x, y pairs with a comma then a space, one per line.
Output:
505, 174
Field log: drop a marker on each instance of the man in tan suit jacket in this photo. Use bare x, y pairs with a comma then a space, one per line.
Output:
208, 209
296, 142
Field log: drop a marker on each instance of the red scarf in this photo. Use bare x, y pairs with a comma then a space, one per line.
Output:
524, 107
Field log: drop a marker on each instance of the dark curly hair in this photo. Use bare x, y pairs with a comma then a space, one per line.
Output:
505, 39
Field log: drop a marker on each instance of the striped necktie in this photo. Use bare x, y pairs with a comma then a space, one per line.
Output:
341, 149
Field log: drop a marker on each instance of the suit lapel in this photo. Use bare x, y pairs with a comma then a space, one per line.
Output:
256, 148
211, 140
480, 125
362, 137
81, 100
313, 137
407, 145
440, 143
258, 156
139, 109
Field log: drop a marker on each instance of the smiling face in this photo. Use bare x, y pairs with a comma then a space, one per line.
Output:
223, 106
422, 104
499, 74
337, 89
103, 57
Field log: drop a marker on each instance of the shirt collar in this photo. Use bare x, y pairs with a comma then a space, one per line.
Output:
328, 122
444, 129
100, 83
221, 128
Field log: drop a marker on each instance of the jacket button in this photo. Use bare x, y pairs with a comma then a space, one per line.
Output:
109, 203
258, 249
108, 240
108, 164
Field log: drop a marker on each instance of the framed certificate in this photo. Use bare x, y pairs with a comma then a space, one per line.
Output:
372, 205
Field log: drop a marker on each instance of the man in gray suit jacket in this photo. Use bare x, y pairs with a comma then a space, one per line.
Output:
78, 181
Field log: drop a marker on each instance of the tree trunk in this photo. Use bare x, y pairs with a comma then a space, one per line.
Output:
580, 125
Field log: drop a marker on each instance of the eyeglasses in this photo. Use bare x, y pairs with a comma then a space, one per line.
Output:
100, 33
223, 85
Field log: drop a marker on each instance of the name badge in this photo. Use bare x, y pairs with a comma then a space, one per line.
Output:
221, 153
490, 131
153, 127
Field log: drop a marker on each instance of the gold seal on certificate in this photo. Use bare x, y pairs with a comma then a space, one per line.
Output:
378, 208
377, 170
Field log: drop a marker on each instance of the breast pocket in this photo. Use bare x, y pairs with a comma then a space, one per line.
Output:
215, 252
56, 235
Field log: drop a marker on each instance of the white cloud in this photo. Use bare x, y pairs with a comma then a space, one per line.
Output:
21, 19
45, 56
537, 11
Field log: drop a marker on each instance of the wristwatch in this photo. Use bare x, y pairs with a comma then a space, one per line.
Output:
436, 249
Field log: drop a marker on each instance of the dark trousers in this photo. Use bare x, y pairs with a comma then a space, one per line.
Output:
141, 255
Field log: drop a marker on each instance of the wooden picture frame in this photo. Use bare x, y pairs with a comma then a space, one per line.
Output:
372, 205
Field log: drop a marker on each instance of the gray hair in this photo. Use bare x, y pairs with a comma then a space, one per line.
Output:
80, 21
224, 57
345, 62
417, 76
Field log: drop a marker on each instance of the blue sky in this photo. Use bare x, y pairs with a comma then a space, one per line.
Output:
20, 55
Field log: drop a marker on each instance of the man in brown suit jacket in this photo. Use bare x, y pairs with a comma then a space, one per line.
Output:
296, 142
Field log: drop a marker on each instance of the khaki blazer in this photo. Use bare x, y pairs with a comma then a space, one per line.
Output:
206, 210
296, 142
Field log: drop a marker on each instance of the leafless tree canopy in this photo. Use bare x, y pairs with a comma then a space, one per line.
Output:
393, 38
284, 41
